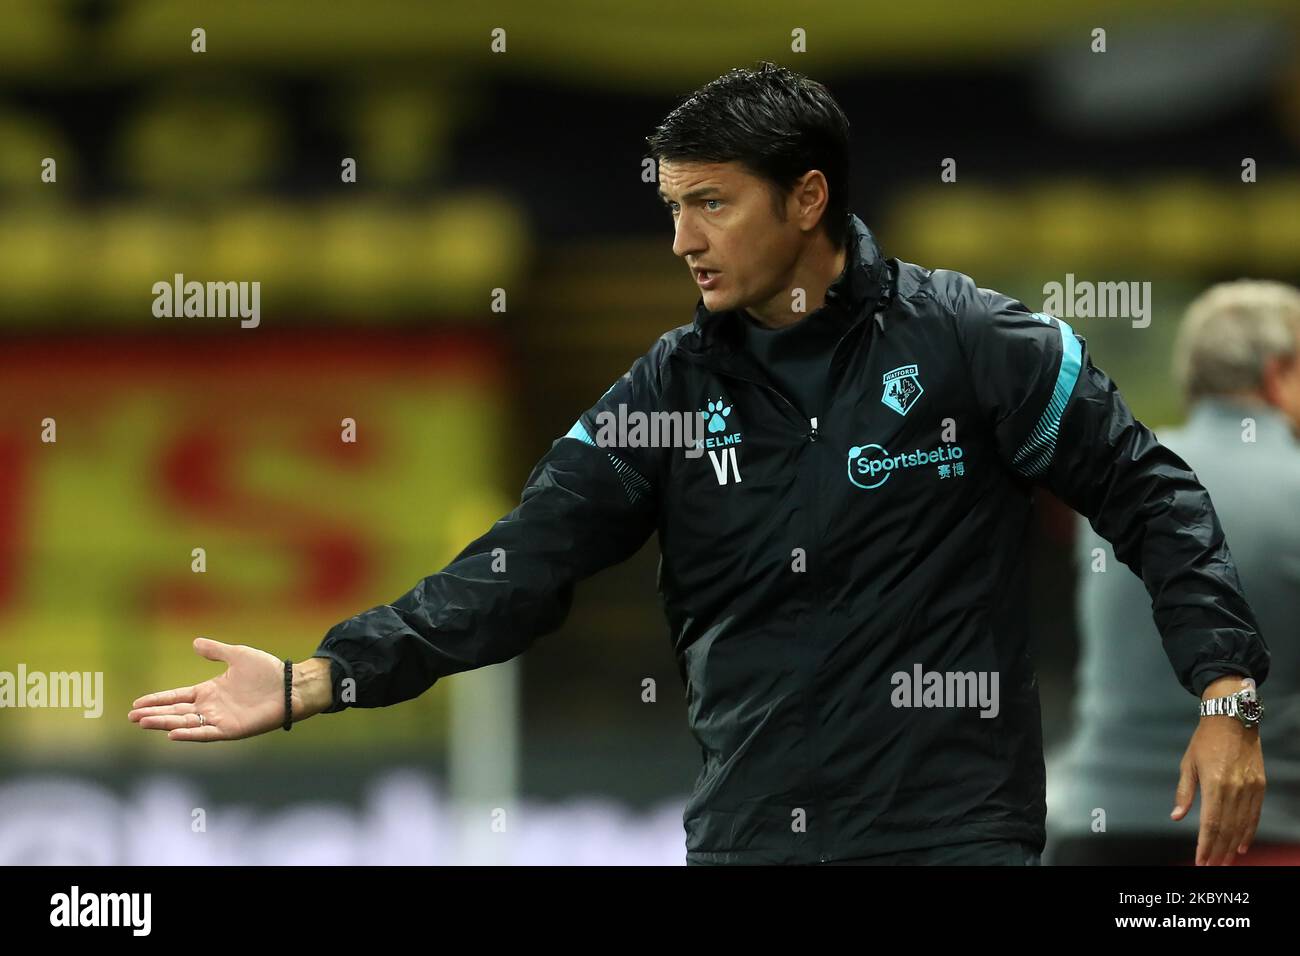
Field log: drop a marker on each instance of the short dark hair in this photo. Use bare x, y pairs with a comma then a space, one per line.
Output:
772, 120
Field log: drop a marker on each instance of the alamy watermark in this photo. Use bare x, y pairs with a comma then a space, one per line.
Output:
75, 908
57, 689
1100, 300
922, 688
212, 300
624, 428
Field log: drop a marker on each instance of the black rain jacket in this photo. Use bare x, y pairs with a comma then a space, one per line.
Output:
839, 590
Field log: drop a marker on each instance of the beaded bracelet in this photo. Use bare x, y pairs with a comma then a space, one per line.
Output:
288, 693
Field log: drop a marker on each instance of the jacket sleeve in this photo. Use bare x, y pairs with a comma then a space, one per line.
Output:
583, 508
1060, 422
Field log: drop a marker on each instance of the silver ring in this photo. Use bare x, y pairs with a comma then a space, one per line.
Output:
202, 720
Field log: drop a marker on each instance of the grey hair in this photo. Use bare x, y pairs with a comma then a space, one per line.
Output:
1229, 333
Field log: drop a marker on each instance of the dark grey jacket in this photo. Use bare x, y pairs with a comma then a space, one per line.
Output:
1126, 748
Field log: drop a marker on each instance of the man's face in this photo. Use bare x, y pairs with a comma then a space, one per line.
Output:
725, 222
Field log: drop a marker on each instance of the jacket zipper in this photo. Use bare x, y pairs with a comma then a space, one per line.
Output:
812, 436
818, 599
810, 713
814, 614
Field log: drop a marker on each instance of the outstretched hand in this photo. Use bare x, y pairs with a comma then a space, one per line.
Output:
246, 700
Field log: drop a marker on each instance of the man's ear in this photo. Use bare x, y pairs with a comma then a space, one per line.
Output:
1270, 381
812, 190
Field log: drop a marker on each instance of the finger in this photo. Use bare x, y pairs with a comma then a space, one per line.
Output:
1246, 819
176, 695
1232, 828
204, 734
1211, 816
212, 650
1230, 798
1185, 792
171, 721
140, 712
1241, 825
1256, 805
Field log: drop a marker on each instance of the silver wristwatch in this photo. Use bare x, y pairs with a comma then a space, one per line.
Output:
1244, 705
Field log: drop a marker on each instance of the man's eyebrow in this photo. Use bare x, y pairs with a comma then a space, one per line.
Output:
700, 192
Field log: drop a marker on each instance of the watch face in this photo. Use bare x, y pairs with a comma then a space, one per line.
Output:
1248, 708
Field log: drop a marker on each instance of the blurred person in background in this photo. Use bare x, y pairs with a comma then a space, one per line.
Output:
1237, 358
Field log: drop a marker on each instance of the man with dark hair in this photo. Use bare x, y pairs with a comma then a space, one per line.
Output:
786, 139
778, 124
839, 546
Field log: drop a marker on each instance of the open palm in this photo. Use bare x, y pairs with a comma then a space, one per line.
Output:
248, 699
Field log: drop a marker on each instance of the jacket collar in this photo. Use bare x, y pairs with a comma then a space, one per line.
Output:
1220, 414
864, 284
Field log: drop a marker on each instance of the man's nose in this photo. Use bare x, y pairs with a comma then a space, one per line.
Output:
686, 239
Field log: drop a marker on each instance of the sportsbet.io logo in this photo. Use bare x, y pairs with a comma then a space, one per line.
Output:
871, 465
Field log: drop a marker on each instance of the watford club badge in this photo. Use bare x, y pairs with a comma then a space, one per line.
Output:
902, 389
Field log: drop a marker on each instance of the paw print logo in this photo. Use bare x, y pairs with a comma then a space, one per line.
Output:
716, 413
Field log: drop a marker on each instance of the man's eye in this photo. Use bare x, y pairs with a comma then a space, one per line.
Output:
713, 200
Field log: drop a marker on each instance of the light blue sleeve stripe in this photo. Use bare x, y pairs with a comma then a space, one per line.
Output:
579, 432
634, 483
1036, 453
